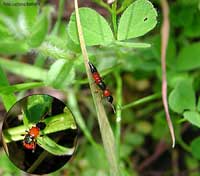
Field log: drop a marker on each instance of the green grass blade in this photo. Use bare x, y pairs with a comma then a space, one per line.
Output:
25, 70
7, 99
52, 147
20, 87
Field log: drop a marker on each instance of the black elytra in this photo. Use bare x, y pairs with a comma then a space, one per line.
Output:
102, 85
92, 67
41, 125
110, 99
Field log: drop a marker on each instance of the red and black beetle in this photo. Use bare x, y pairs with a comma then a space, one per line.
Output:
98, 80
30, 138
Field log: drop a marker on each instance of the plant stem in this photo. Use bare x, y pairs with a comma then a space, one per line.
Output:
105, 128
142, 101
118, 113
164, 43
114, 18
182, 120
185, 146
103, 4
60, 14
53, 124
38, 161
123, 6
72, 101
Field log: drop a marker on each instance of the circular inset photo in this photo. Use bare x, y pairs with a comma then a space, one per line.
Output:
39, 134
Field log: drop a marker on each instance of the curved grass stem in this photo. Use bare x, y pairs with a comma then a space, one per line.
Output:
164, 42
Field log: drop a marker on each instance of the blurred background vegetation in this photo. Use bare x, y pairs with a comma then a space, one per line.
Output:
34, 48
